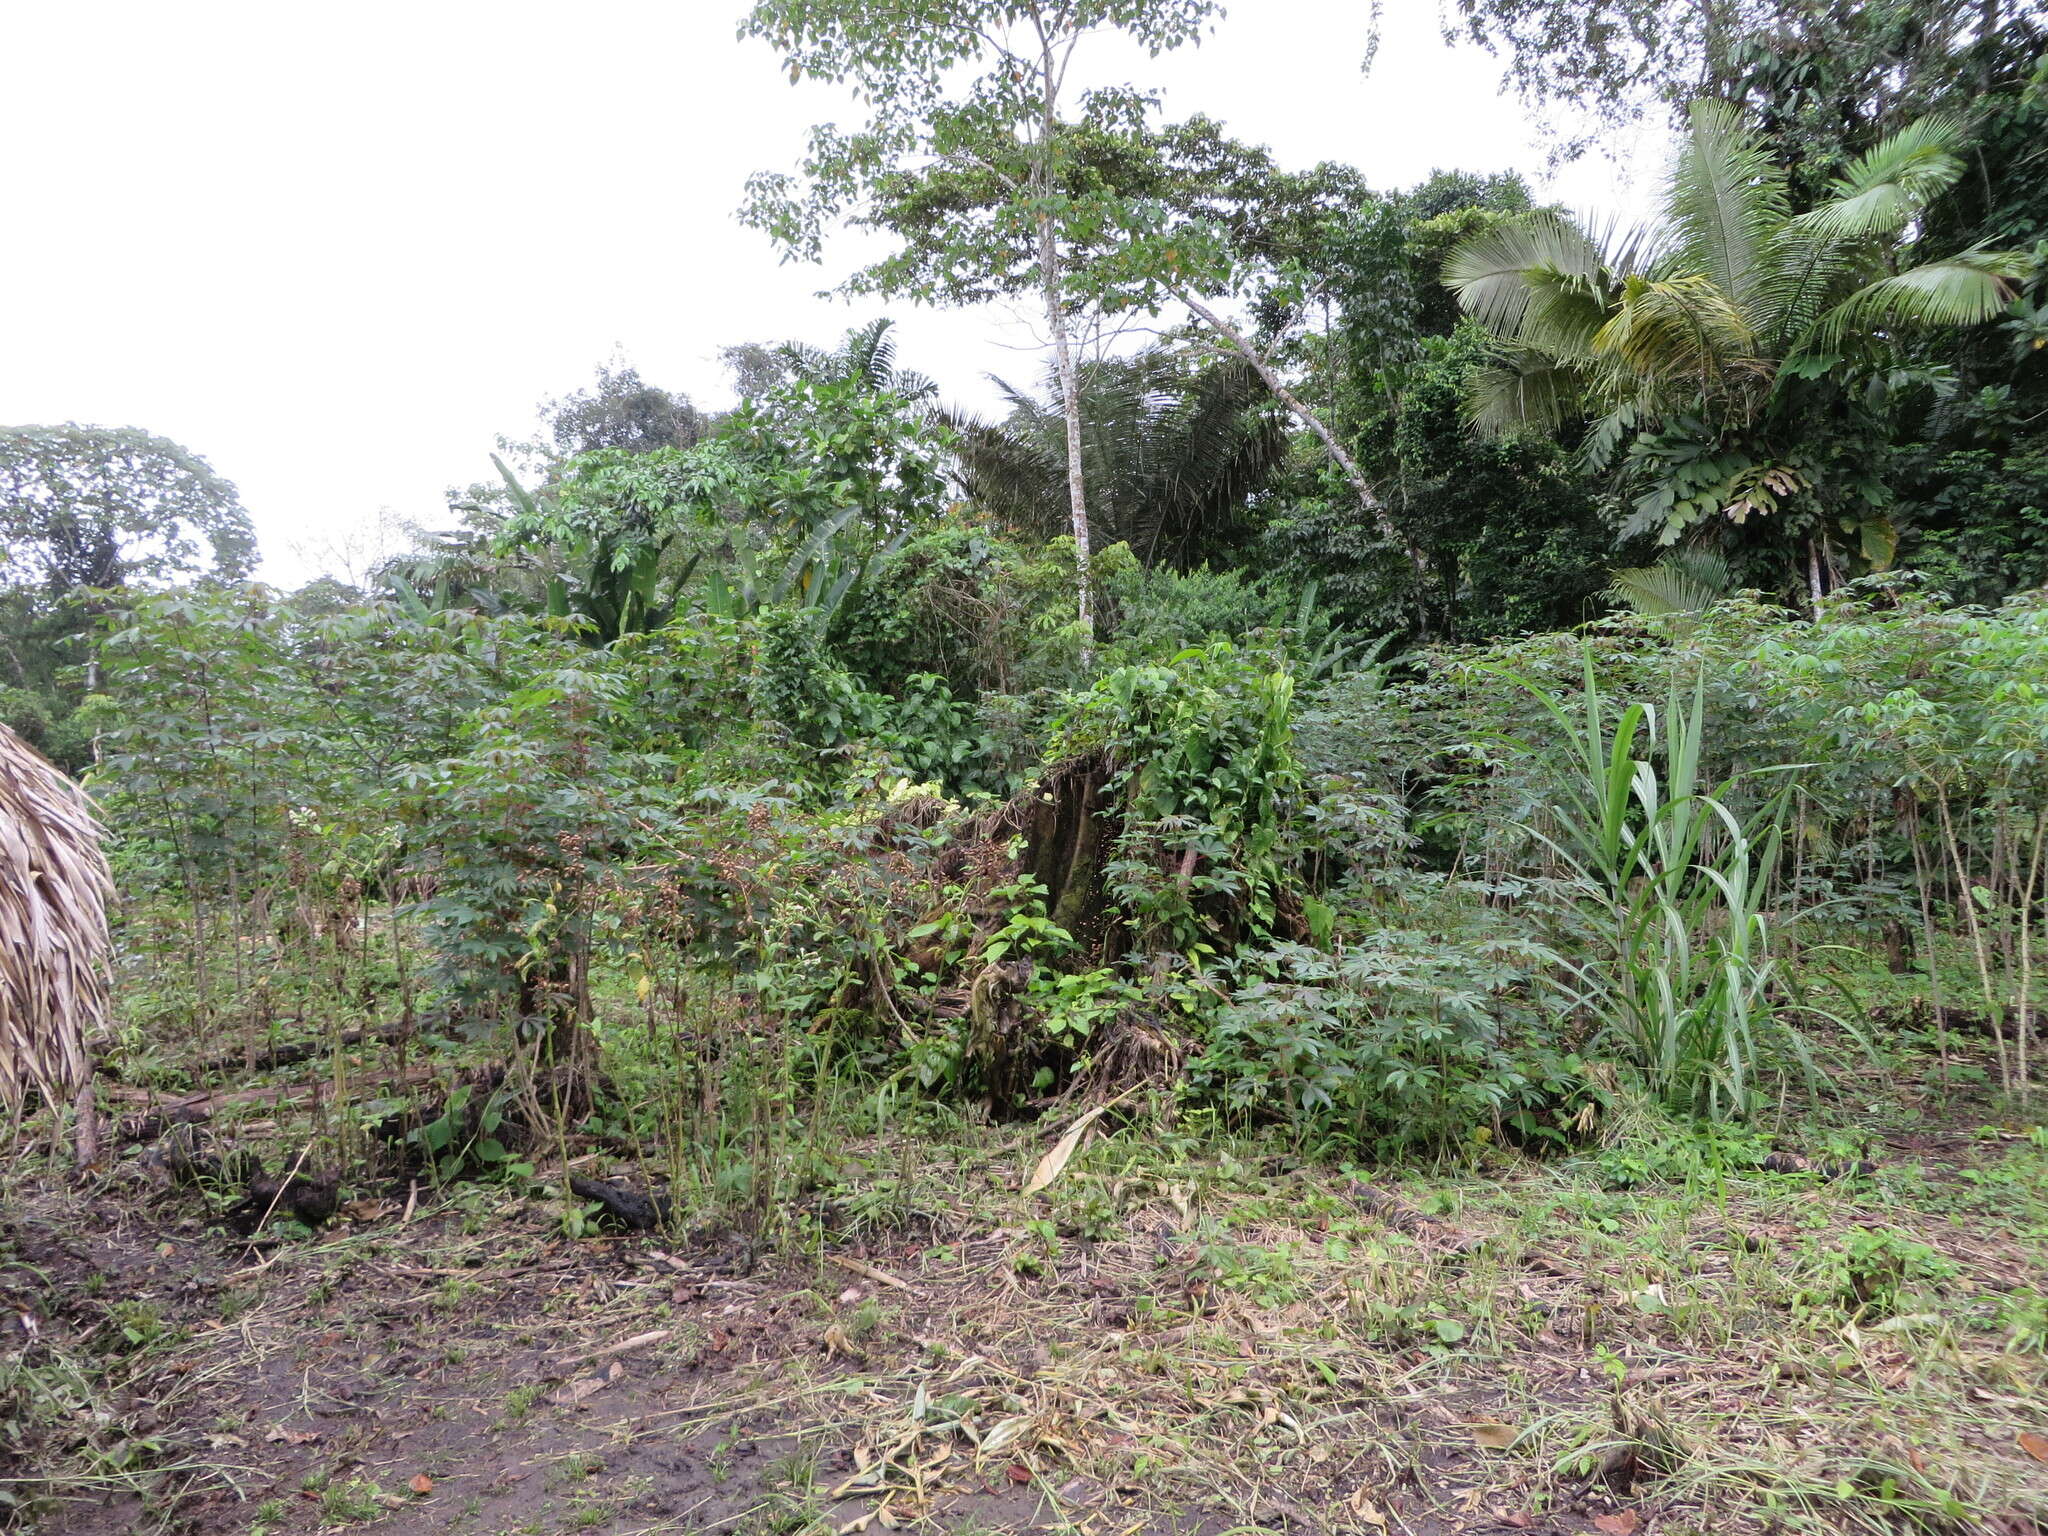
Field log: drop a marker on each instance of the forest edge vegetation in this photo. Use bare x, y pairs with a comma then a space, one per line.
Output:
1472, 812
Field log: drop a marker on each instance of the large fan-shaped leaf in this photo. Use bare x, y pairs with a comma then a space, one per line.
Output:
1685, 581
1494, 273
1886, 188
867, 357
1522, 390
1966, 289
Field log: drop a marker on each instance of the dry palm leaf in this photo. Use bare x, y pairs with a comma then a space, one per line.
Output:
54, 890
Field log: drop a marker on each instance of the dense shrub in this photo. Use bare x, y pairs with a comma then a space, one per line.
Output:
1397, 1039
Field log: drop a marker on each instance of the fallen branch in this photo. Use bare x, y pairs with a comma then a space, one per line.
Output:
869, 1272
628, 1207
198, 1108
239, 1276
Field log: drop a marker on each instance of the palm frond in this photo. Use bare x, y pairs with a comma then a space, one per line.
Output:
1521, 390
54, 891
1627, 248
1683, 329
1968, 288
1494, 274
1211, 447
1886, 188
869, 353
1012, 473
1171, 454
1022, 402
1563, 314
1725, 200
1806, 273
805, 361
1685, 581
866, 357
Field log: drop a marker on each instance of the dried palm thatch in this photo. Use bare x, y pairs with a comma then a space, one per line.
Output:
54, 889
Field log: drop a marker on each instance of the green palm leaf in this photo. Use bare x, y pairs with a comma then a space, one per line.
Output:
867, 358
1497, 272
1808, 272
1685, 581
1523, 390
1966, 289
1886, 189
1726, 199
1682, 328
1172, 455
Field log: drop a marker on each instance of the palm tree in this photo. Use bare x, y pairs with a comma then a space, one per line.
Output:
1717, 351
867, 358
1171, 457
1684, 581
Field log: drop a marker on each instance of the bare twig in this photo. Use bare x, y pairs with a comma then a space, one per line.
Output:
869, 1272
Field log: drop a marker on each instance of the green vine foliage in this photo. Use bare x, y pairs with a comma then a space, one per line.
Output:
1204, 774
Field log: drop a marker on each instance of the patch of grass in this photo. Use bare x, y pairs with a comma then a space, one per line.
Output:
135, 1325
1870, 1274
576, 1467
351, 1502
454, 1293
520, 1400
865, 1320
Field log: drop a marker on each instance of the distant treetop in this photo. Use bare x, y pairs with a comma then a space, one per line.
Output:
113, 506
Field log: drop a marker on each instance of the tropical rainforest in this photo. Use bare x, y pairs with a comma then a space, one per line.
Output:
1407, 896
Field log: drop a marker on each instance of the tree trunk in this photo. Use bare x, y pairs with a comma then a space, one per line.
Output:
1062, 345
1368, 499
1070, 407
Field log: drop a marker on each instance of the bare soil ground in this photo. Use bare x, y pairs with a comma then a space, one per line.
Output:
1161, 1343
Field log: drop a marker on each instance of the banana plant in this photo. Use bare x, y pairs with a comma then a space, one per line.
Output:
824, 570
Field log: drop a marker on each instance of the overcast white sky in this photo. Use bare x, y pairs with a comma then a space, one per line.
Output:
338, 249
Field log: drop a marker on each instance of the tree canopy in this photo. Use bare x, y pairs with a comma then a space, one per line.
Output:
103, 506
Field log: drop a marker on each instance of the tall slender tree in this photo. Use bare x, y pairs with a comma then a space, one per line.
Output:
1210, 224
976, 124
